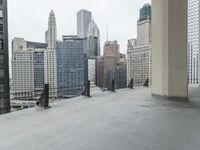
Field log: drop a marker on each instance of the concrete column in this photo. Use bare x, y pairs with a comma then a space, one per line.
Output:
169, 48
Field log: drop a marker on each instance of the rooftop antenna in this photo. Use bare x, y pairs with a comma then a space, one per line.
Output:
107, 33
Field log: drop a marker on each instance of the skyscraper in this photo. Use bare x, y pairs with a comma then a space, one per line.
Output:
84, 18
4, 60
144, 26
193, 41
71, 66
139, 66
93, 31
50, 56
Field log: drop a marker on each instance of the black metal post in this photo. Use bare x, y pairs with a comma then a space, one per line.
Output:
146, 84
44, 99
46, 96
131, 84
87, 90
113, 85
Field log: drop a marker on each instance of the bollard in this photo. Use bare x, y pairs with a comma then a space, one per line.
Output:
146, 84
113, 85
131, 84
87, 90
44, 99
46, 96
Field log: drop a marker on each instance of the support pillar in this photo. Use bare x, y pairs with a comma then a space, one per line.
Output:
169, 49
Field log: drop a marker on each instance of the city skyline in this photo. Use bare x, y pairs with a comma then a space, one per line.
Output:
122, 18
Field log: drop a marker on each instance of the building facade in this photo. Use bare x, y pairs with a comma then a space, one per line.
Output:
27, 67
103, 65
139, 51
4, 60
139, 65
193, 41
38, 62
84, 18
71, 67
119, 74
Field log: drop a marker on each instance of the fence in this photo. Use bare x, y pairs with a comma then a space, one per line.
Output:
42, 97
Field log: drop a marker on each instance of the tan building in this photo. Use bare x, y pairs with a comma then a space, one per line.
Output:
139, 52
111, 49
139, 65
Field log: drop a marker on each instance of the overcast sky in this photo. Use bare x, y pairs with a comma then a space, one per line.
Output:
29, 18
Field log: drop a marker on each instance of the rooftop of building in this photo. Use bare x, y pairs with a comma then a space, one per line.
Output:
31, 44
72, 37
124, 120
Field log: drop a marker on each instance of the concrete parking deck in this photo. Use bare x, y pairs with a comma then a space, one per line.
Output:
124, 120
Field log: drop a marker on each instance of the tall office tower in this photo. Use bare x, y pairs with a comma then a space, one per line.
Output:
84, 18
139, 64
93, 32
111, 48
144, 26
4, 60
27, 67
193, 41
92, 46
50, 57
71, 66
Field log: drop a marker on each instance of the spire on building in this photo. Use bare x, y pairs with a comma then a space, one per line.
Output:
52, 31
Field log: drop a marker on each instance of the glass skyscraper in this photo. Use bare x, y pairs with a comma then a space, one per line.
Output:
71, 73
145, 12
4, 60
84, 18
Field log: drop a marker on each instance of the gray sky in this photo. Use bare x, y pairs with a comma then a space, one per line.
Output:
29, 18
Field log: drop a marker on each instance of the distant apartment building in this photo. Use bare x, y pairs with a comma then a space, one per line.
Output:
139, 51
111, 49
4, 60
193, 41
27, 67
71, 66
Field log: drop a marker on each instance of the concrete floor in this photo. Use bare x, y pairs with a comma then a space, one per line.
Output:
124, 120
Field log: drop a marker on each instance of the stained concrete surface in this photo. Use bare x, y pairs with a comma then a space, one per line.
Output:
123, 120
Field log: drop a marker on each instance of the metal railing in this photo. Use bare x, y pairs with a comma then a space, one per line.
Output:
42, 97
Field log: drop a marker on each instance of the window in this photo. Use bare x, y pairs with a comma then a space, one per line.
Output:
1, 28
1, 44
1, 61
1, 13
